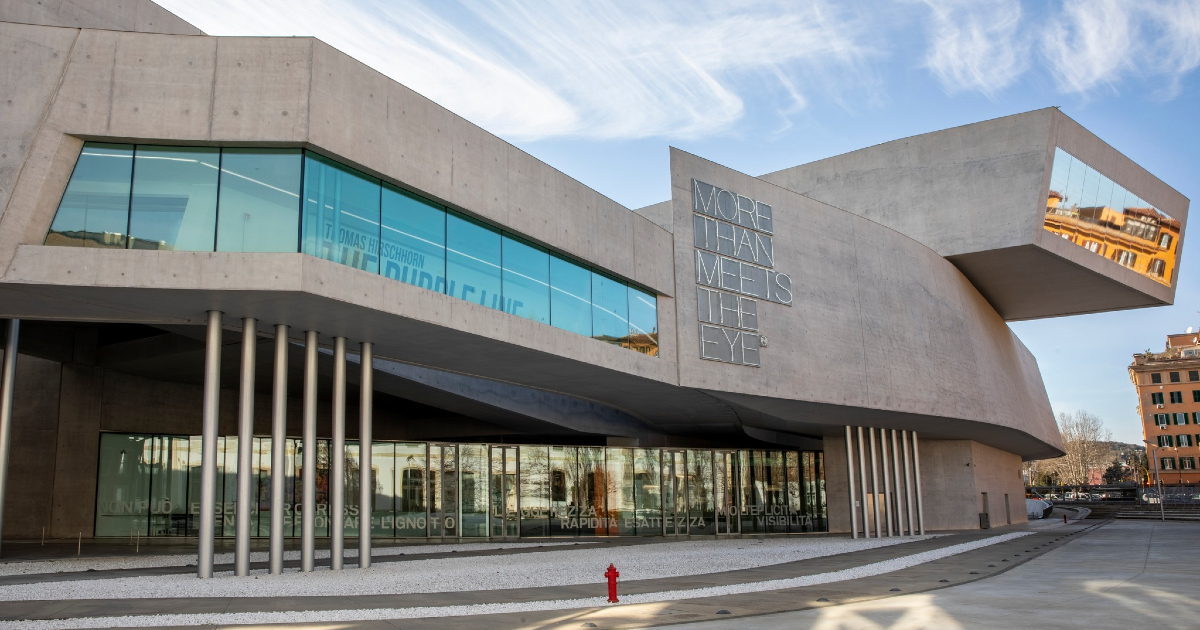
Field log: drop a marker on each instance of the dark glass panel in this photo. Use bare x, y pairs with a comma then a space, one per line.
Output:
123, 485
643, 321
341, 214
610, 309
259, 209
94, 211
570, 296
526, 280
174, 203
168, 487
472, 261
414, 240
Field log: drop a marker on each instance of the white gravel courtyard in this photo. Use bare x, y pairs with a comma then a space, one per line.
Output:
551, 567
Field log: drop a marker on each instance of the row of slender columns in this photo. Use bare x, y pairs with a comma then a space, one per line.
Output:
898, 506
8, 369
308, 446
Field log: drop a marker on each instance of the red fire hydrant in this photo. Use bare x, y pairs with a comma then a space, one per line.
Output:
612, 576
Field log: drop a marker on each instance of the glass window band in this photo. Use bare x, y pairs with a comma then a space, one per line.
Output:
289, 200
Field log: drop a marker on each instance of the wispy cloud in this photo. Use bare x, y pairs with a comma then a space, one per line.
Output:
976, 46
1098, 43
528, 69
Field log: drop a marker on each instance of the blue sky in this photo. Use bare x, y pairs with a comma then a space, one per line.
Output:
600, 89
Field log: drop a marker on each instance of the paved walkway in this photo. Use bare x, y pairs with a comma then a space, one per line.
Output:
959, 569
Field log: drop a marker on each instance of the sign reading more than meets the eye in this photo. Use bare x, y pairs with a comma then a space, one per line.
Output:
735, 269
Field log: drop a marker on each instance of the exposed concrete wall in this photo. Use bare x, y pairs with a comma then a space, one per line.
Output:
75, 455
954, 476
114, 15
34, 435
837, 496
878, 322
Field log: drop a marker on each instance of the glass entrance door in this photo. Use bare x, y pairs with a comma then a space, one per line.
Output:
674, 493
443, 491
505, 507
726, 491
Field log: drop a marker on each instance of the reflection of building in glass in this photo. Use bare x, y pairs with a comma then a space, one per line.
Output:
1090, 210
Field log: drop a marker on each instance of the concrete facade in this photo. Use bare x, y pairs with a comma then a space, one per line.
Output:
890, 326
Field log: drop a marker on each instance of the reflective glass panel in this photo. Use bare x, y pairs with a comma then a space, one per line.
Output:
1098, 214
259, 209
341, 214
610, 310
473, 470
647, 489
168, 487
570, 296
174, 203
526, 280
564, 507
410, 490
702, 509
593, 492
472, 261
385, 482
414, 240
621, 504
535, 491
227, 469
123, 482
643, 321
351, 495
94, 211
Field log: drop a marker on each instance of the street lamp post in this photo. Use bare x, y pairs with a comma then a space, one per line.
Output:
1162, 510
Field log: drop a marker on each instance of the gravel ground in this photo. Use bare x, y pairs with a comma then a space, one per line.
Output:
534, 569
70, 565
867, 570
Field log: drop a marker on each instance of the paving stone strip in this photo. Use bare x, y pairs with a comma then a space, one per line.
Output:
102, 608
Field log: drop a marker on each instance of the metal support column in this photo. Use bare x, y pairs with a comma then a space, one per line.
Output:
8, 374
208, 441
908, 487
850, 485
241, 543
874, 483
308, 437
899, 502
916, 456
862, 475
888, 513
278, 445
337, 459
366, 496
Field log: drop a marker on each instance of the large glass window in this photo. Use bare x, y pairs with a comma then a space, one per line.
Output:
472, 260
259, 207
473, 471
1092, 211
289, 200
123, 485
526, 280
535, 491
593, 492
414, 240
341, 214
647, 488
620, 482
570, 296
410, 490
174, 204
610, 309
94, 211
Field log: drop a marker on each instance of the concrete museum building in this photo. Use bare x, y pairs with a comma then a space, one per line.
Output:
254, 288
